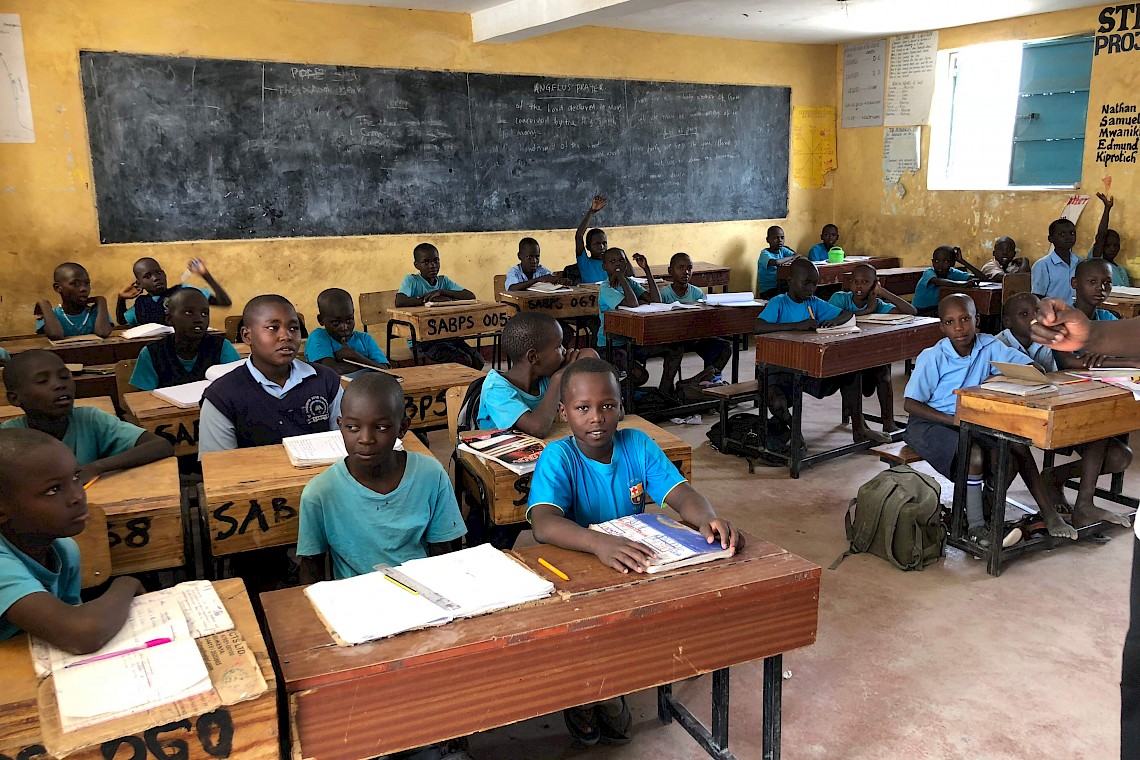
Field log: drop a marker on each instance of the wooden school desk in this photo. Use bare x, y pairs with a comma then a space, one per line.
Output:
111, 349
833, 274
705, 275
427, 323
251, 497
1077, 413
425, 390
1127, 306
102, 403
986, 297
175, 424
503, 493
607, 635
244, 730
676, 325
810, 354
899, 280
579, 301
145, 523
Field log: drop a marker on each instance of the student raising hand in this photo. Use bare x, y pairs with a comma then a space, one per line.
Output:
597, 204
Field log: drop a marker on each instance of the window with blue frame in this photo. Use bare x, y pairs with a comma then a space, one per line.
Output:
1010, 114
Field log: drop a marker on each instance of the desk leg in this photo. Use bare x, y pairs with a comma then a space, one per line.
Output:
997, 515
736, 341
715, 742
957, 513
720, 685
797, 437
629, 360
762, 403
773, 706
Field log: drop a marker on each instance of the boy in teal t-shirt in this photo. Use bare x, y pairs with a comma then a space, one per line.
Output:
79, 313
940, 272
590, 247
828, 237
771, 257
714, 352
428, 285
337, 343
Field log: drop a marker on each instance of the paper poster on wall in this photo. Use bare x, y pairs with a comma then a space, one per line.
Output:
15, 100
901, 151
813, 145
1074, 206
864, 67
910, 79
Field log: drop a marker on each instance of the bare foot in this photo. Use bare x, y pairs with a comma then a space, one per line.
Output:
1058, 528
1087, 514
890, 426
1056, 486
866, 434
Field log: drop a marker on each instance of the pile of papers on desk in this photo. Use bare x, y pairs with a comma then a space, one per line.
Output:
657, 308
1127, 378
549, 287
189, 395
745, 298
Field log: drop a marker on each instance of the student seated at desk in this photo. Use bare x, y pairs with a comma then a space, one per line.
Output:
186, 354
529, 270
337, 344
39, 383
620, 290
767, 284
602, 473
800, 310
1018, 312
149, 291
1053, 273
714, 352
590, 247
428, 285
1107, 245
961, 360
274, 395
829, 236
868, 297
376, 505
526, 396
940, 272
42, 506
79, 313
1005, 261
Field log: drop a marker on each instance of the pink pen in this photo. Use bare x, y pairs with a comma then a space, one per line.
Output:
109, 655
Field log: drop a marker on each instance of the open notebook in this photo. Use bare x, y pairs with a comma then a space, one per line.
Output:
189, 395
424, 592
319, 449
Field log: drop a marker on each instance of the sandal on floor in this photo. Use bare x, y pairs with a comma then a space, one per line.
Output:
582, 723
614, 729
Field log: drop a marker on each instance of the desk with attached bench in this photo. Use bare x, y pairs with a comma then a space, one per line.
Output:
424, 324
603, 635
833, 274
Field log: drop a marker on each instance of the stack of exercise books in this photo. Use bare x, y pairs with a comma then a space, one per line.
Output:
549, 287
189, 395
424, 592
850, 326
676, 545
890, 318
319, 449
516, 451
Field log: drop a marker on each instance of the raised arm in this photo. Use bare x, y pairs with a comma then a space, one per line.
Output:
651, 283
1102, 230
220, 297
959, 258
128, 293
596, 205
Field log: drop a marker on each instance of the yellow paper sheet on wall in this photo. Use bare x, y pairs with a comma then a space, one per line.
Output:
813, 145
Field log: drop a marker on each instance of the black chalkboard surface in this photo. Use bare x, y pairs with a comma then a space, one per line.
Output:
202, 149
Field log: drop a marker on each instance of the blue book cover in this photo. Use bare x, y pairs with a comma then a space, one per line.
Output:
676, 545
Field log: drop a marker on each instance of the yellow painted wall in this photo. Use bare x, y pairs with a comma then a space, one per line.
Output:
47, 205
872, 217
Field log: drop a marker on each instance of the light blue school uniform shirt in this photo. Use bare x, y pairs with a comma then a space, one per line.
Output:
415, 286
5, 355
590, 269
939, 370
1053, 278
845, 300
217, 433
782, 310
92, 434
145, 378
609, 298
501, 403
360, 528
21, 576
79, 324
1119, 273
766, 267
1042, 355
589, 492
692, 295
926, 293
132, 319
321, 345
818, 252
1102, 315
517, 275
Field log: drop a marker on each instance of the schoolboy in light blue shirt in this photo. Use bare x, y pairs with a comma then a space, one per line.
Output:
530, 270
1018, 313
874, 298
336, 343
78, 313
429, 286
1052, 275
378, 505
775, 254
829, 236
940, 272
590, 247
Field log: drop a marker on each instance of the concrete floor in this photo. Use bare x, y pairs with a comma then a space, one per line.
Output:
943, 663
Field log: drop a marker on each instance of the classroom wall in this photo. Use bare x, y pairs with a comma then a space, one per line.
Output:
47, 203
871, 216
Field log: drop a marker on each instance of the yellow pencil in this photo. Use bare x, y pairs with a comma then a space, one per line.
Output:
553, 569
91, 482
409, 589
810, 312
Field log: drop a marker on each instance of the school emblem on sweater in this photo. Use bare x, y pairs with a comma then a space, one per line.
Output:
316, 410
637, 494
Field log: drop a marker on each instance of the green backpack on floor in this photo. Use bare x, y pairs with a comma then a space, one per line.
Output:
897, 516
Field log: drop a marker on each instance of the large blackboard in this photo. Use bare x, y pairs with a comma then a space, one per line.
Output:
202, 149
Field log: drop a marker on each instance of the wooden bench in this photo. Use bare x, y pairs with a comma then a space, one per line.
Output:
896, 453
726, 394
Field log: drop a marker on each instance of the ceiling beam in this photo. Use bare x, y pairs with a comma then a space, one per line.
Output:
520, 19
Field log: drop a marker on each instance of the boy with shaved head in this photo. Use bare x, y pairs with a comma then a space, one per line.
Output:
184, 355
337, 343
149, 291
79, 313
